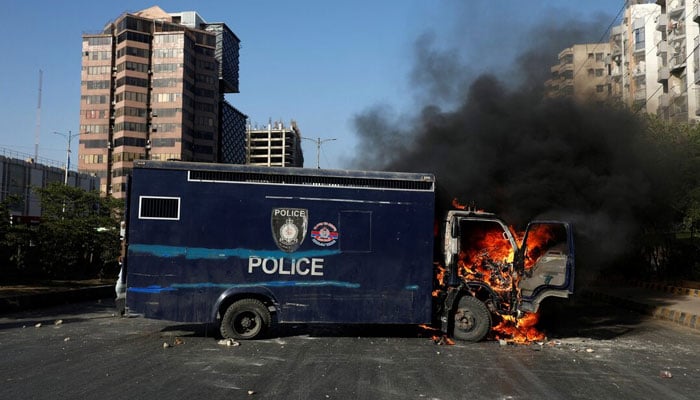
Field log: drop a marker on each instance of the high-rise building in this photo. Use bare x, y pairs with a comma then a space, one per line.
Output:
679, 61
633, 62
153, 86
275, 145
581, 73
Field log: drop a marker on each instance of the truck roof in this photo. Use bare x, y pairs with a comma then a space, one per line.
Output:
297, 176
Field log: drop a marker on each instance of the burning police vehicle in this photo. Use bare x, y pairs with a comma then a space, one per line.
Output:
246, 247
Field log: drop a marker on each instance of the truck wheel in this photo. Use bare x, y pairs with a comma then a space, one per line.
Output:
245, 319
472, 319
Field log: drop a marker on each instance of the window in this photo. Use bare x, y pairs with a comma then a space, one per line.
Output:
156, 207
599, 72
639, 42
599, 56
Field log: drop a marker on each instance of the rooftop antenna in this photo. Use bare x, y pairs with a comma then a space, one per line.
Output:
38, 121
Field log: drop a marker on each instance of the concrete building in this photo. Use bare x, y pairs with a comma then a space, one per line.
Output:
678, 30
153, 86
581, 73
633, 64
275, 146
20, 175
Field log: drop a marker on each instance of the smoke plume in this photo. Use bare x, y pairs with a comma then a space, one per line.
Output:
496, 141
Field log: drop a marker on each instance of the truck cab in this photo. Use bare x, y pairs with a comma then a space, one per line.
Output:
490, 269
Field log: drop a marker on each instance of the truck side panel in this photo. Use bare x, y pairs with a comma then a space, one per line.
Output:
366, 255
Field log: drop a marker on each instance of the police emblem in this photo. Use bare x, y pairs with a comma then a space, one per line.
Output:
324, 234
289, 227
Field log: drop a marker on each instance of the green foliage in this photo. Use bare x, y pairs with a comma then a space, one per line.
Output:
668, 244
77, 238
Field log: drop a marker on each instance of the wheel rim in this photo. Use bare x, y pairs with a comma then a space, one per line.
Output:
247, 324
464, 320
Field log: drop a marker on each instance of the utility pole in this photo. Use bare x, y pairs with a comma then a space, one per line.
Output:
69, 136
318, 142
38, 121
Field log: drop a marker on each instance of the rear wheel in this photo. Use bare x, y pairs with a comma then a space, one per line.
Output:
245, 319
472, 320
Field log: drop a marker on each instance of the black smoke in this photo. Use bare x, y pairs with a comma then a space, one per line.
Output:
494, 140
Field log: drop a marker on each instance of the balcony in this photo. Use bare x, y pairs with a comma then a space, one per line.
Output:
664, 100
675, 7
662, 22
640, 95
676, 31
662, 48
677, 62
664, 74
696, 13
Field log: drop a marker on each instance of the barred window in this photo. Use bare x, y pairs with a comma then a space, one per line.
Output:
156, 207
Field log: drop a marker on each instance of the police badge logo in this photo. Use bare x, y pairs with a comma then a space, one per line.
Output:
289, 227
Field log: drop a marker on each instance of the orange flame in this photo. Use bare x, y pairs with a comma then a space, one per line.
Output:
488, 258
518, 330
457, 205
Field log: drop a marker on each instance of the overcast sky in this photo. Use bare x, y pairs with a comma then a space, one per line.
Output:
320, 63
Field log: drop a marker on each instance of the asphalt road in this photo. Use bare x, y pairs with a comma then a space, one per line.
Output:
593, 351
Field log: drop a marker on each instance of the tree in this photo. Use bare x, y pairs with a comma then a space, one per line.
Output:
78, 236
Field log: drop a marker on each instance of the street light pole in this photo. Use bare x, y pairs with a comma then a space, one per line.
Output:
69, 136
318, 142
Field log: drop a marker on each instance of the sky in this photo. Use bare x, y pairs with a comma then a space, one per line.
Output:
320, 63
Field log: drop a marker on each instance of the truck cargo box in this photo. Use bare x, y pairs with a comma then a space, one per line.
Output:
311, 245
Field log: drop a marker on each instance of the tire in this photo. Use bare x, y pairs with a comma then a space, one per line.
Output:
471, 319
245, 319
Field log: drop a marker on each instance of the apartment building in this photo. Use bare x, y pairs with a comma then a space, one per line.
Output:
580, 73
275, 145
633, 62
678, 61
152, 87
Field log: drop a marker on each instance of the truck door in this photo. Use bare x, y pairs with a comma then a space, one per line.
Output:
547, 260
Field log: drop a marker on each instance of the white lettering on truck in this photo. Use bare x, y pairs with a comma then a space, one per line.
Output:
282, 266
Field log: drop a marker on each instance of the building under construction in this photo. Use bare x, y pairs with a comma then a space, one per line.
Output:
275, 145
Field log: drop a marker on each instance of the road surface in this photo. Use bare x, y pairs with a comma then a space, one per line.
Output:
593, 351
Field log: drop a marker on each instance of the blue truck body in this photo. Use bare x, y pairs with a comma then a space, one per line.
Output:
247, 246
199, 234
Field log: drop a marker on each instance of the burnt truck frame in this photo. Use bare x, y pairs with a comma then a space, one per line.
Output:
245, 246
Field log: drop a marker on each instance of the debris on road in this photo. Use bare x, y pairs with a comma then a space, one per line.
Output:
229, 342
38, 325
166, 345
251, 392
58, 322
443, 340
666, 374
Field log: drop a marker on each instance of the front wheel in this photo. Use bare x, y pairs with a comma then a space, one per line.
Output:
472, 320
245, 319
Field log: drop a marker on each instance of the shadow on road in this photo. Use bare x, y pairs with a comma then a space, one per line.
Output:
587, 317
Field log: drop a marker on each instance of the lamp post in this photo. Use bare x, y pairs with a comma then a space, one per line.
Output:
318, 142
69, 136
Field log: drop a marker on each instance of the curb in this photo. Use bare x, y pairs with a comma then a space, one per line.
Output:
39, 300
682, 291
687, 320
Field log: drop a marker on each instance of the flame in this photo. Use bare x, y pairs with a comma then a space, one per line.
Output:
459, 206
538, 237
518, 330
489, 259
440, 278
